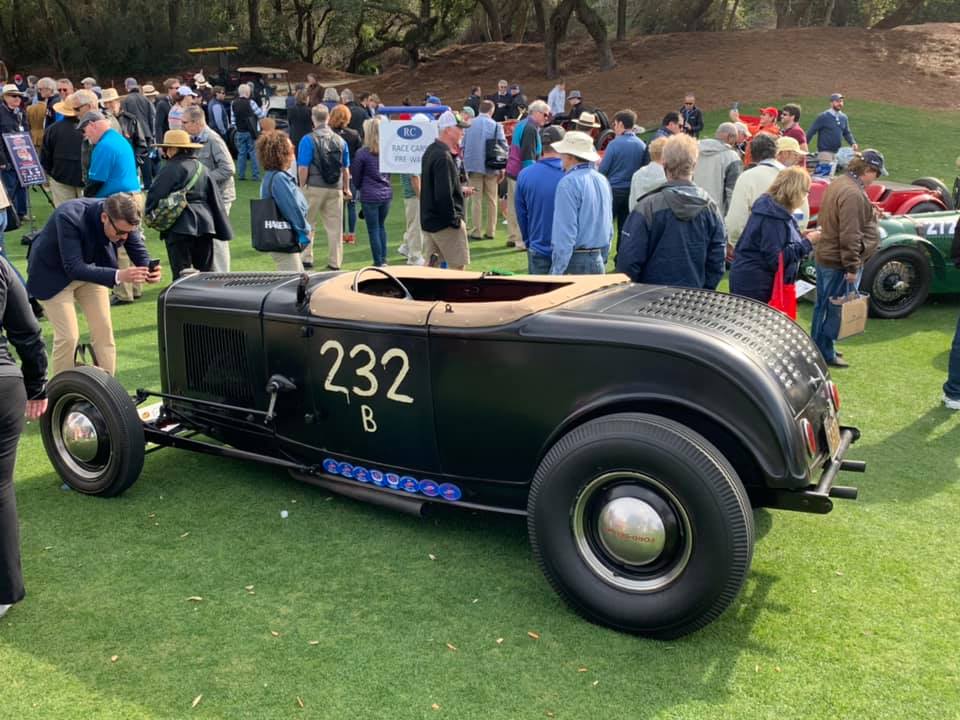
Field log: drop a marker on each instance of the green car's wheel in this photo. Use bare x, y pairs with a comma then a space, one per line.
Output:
898, 280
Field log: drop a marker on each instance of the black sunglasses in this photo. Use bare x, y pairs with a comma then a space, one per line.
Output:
121, 234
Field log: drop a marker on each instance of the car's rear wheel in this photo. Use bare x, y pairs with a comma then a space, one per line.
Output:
92, 433
604, 138
932, 183
898, 280
641, 524
925, 207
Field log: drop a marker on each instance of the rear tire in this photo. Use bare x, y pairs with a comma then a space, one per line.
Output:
925, 207
932, 183
640, 524
604, 138
92, 433
898, 280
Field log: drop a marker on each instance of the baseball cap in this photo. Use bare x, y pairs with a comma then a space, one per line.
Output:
184, 91
130, 83
90, 117
574, 94
788, 144
874, 158
770, 111
552, 134
433, 100
450, 119
836, 96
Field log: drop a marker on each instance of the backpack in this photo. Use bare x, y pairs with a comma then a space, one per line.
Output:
169, 208
328, 157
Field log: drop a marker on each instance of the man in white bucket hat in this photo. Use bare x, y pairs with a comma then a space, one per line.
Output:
583, 211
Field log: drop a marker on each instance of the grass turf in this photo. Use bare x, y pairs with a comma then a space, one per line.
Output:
850, 615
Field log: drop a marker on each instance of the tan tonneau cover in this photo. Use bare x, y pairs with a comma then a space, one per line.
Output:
336, 299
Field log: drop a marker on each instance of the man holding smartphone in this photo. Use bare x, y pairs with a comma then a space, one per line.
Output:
73, 261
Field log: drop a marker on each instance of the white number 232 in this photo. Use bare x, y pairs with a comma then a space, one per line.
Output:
366, 382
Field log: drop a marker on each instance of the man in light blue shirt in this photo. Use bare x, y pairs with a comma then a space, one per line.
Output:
623, 157
482, 179
583, 211
557, 98
535, 198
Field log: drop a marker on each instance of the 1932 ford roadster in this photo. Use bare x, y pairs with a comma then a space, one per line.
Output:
635, 426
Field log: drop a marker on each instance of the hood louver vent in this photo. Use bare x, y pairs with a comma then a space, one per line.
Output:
216, 363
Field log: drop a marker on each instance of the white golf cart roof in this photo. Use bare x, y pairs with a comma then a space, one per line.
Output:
262, 70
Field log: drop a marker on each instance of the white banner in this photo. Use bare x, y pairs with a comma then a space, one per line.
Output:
402, 144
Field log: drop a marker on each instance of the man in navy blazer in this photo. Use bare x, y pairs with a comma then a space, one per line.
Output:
73, 260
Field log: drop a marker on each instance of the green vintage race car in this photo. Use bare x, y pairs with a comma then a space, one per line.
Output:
912, 262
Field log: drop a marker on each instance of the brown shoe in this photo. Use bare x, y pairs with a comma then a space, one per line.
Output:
838, 362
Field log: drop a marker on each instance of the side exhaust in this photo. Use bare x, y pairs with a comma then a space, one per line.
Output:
409, 505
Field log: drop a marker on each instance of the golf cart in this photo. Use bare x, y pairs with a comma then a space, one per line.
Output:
224, 76
271, 86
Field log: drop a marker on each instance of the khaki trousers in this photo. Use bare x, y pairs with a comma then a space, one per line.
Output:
61, 311
60, 193
325, 205
413, 235
221, 250
288, 262
513, 226
128, 291
483, 199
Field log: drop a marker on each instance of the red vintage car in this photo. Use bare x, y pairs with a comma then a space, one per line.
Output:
921, 196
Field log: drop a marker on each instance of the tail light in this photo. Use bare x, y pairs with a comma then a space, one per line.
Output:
809, 436
834, 395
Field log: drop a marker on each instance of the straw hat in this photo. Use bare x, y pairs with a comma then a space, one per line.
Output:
177, 139
149, 91
11, 89
109, 95
578, 144
587, 119
65, 108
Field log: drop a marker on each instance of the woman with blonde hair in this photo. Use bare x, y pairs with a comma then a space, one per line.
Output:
772, 232
374, 189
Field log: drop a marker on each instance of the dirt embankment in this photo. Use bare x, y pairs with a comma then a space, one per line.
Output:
916, 65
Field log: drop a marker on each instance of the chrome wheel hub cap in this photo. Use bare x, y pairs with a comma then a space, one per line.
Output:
631, 531
80, 436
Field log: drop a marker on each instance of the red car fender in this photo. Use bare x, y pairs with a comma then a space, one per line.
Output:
914, 200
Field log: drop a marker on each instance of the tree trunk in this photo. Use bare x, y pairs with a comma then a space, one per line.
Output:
733, 15
51, 36
621, 19
828, 15
697, 13
900, 15
556, 31
594, 24
493, 19
253, 16
538, 13
173, 16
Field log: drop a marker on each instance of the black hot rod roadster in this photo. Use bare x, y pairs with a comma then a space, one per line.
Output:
635, 426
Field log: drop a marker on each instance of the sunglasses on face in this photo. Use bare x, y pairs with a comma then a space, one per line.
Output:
63, 90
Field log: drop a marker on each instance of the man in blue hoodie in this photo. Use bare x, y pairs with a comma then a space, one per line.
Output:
675, 236
535, 196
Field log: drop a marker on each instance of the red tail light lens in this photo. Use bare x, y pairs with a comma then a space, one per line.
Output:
809, 436
834, 395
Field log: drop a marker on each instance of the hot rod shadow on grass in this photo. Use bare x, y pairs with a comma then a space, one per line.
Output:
645, 425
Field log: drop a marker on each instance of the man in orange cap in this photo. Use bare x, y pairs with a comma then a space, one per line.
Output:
768, 124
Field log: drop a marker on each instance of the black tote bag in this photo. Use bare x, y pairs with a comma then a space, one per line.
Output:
269, 230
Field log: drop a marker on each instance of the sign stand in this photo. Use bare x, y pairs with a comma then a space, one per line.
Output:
23, 155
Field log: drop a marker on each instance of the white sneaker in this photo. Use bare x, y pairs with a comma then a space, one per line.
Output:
402, 250
947, 402
3, 609
416, 261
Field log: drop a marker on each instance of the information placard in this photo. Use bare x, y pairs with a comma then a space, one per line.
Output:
23, 155
402, 144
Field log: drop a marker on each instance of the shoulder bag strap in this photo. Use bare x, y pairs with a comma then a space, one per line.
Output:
196, 176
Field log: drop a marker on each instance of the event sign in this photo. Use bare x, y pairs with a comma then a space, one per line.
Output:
23, 155
402, 144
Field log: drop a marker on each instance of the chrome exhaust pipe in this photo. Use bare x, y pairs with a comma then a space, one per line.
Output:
408, 505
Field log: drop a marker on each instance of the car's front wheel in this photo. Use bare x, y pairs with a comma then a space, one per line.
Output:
641, 524
92, 433
898, 280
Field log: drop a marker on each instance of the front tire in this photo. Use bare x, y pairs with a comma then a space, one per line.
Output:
640, 524
898, 280
92, 433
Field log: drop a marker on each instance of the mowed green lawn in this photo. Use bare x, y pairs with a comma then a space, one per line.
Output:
357, 612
